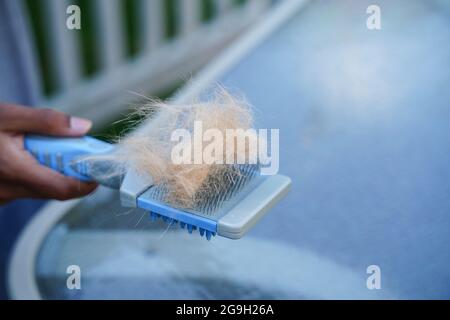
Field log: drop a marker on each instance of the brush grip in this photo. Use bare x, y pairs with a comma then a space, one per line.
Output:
60, 154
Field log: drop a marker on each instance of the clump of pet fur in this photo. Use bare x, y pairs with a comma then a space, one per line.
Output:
149, 148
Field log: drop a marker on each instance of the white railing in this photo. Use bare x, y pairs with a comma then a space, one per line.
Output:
160, 63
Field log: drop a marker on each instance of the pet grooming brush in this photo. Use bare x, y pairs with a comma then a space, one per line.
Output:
230, 213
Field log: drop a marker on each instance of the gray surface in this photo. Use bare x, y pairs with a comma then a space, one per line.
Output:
365, 133
365, 137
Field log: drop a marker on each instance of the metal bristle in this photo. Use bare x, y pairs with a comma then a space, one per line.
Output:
224, 186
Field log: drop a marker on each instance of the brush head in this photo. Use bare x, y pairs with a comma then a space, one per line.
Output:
197, 193
230, 201
219, 194
230, 214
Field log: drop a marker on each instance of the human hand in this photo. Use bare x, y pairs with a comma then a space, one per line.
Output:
21, 176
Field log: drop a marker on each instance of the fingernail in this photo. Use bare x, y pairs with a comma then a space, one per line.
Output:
80, 125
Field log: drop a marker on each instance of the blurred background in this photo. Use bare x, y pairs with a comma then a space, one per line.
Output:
364, 124
128, 48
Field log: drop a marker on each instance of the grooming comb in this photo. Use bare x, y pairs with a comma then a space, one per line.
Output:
231, 212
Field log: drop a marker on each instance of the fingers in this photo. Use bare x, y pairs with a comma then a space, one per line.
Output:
21, 176
41, 121
44, 183
49, 184
20, 169
9, 192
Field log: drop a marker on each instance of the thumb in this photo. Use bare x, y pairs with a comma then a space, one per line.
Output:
41, 121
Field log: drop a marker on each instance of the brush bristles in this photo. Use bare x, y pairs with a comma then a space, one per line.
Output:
217, 190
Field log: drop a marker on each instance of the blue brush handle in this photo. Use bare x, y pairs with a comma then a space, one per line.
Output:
61, 153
